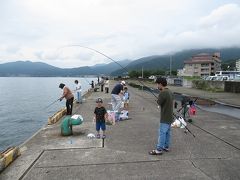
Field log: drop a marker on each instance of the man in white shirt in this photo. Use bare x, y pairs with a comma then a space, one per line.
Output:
106, 85
78, 90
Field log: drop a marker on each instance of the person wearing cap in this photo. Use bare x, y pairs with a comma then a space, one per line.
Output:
165, 100
116, 99
100, 117
68, 95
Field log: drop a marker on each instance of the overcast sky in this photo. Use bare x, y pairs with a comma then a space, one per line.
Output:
48, 30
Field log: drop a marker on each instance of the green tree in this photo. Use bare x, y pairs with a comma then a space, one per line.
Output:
147, 73
229, 65
133, 74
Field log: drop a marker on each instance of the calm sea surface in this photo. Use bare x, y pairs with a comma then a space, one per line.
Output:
24, 102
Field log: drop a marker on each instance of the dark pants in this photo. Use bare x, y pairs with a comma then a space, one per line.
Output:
102, 87
106, 89
69, 106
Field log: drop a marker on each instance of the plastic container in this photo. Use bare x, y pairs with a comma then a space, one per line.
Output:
76, 120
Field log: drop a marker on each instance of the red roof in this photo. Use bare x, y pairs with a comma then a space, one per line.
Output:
202, 58
198, 62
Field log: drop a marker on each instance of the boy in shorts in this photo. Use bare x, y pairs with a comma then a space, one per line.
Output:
100, 117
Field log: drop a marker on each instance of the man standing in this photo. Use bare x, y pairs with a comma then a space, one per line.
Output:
92, 84
101, 83
78, 90
165, 100
106, 84
68, 95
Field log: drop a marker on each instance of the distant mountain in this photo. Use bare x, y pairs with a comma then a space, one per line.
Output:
39, 69
99, 69
109, 68
157, 62
163, 61
28, 68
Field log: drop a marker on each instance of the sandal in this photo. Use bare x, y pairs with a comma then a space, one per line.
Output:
155, 152
98, 136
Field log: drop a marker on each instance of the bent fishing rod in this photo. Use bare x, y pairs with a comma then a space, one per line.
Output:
124, 68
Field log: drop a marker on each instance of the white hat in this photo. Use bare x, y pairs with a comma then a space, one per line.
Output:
123, 82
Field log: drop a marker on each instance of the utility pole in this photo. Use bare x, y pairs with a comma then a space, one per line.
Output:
170, 65
142, 77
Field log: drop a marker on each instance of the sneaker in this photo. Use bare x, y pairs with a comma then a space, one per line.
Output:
155, 152
166, 149
104, 136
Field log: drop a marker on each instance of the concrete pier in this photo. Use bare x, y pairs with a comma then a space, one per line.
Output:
213, 154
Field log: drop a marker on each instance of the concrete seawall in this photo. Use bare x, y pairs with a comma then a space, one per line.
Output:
213, 154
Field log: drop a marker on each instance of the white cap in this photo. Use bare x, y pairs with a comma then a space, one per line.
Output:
123, 82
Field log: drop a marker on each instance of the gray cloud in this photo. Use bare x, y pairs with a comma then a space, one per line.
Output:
121, 29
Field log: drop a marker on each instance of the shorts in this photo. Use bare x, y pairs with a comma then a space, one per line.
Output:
101, 125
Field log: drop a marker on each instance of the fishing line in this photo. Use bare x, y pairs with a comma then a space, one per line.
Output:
86, 80
51, 104
23, 112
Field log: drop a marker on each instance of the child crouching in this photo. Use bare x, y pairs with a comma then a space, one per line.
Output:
100, 117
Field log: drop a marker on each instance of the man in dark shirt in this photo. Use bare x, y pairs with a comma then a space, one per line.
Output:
165, 100
116, 94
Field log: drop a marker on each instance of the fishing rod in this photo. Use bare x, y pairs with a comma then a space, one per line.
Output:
52, 103
77, 45
179, 119
186, 103
86, 80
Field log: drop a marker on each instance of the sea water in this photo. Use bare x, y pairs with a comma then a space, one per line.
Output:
24, 105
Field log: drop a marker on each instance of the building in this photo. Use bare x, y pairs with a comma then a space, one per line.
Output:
202, 65
238, 65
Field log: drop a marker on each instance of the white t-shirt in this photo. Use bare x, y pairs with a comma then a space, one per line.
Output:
107, 83
78, 87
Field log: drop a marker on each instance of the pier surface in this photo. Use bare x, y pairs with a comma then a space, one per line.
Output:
213, 154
